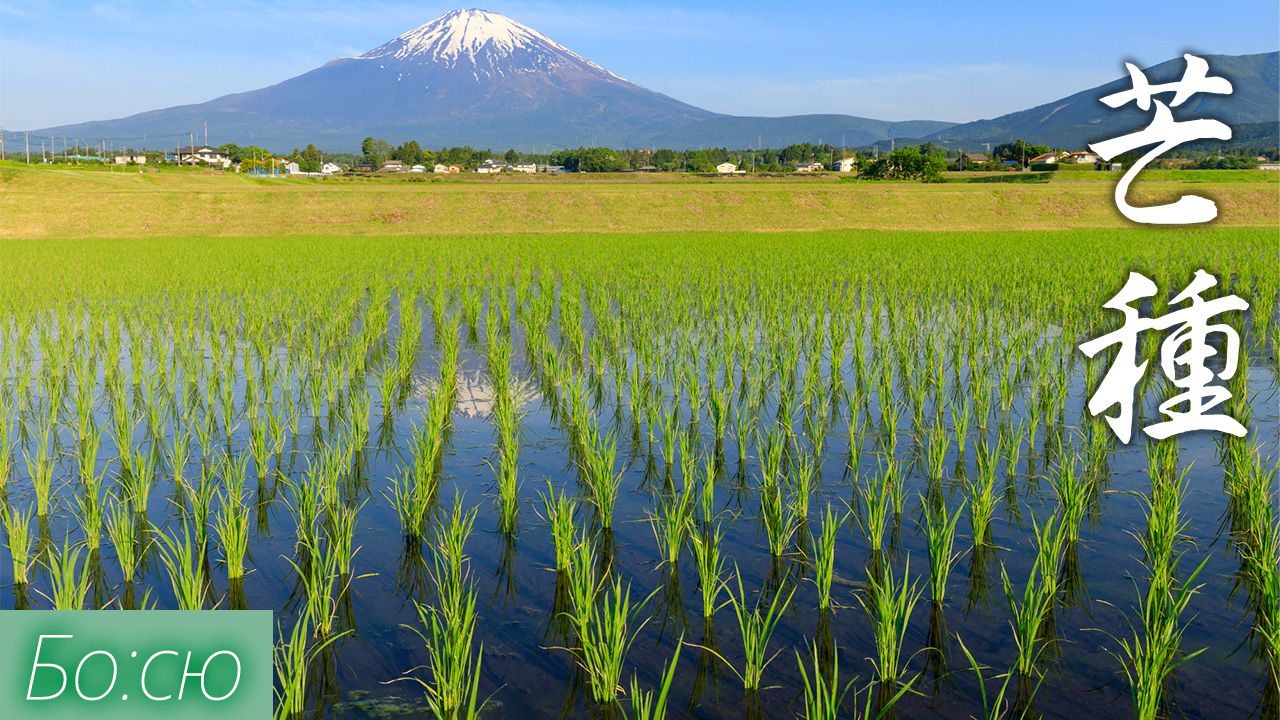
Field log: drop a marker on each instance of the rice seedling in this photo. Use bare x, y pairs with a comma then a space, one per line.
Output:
140, 481
89, 510
583, 585
40, 469
1028, 613
68, 577
602, 480
184, 562
981, 495
453, 691
711, 566
672, 524
292, 658
603, 648
318, 573
999, 706
823, 694
412, 504
560, 508
940, 539
652, 704
756, 625
778, 520
122, 532
232, 525
889, 603
1154, 651
17, 528
340, 530
825, 562
1072, 498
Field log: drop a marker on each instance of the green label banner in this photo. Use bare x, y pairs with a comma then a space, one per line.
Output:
135, 664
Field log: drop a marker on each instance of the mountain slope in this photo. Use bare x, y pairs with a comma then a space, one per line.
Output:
469, 77
1076, 120
747, 132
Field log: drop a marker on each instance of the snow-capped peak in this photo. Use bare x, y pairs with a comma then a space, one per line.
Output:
468, 33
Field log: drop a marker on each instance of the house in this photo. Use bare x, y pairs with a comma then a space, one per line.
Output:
1115, 167
290, 168
848, 164
525, 168
727, 168
203, 155
442, 169
1045, 158
392, 166
809, 167
418, 168
551, 168
131, 159
330, 168
492, 166
364, 168
1082, 157
966, 160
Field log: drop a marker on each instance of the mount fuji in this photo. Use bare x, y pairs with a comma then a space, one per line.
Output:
473, 77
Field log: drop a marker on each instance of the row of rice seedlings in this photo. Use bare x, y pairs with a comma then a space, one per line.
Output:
1154, 651
1255, 532
1030, 612
450, 624
292, 658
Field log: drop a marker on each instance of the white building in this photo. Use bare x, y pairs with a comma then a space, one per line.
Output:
492, 166
809, 167
442, 169
727, 168
330, 168
1082, 157
204, 156
291, 168
525, 168
418, 168
848, 164
131, 159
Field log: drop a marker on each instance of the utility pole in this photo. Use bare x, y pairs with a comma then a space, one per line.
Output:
26, 145
206, 133
1, 143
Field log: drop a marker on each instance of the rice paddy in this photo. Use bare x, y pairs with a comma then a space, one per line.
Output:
818, 475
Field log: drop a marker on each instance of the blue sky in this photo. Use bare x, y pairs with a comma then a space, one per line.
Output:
63, 62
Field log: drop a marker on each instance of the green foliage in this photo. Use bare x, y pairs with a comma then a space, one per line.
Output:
906, 163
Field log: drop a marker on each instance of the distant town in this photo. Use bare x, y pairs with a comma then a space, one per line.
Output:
923, 161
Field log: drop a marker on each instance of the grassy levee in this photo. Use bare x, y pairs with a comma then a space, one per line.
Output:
42, 202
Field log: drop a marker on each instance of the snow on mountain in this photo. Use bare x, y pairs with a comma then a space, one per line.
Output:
481, 38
